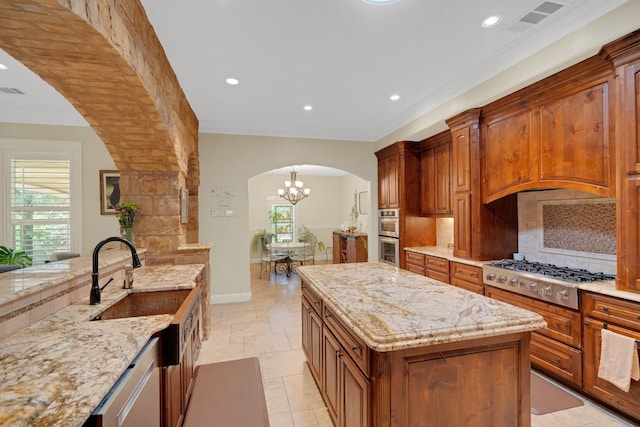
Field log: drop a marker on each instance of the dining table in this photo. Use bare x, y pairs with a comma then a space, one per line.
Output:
288, 249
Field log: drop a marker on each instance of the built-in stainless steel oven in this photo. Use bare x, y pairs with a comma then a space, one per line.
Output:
390, 250
389, 223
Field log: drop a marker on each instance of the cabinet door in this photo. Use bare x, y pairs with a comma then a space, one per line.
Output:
330, 373
628, 403
354, 405
462, 225
312, 338
574, 138
388, 185
442, 183
510, 157
172, 396
461, 150
427, 183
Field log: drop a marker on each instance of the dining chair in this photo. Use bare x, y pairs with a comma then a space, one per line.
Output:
308, 253
268, 258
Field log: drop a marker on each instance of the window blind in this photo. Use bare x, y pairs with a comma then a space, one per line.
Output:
40, 195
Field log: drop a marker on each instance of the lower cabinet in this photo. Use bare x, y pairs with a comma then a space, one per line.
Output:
311, 336
555, 349
467, 277
618, 316
344, 387
177, 380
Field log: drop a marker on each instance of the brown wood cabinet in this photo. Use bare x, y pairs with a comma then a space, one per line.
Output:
467, 277
362, 387
350, 247
404, 156
312, 330
435, 176
624, 54
481, 231
556, 349
621, 317
556, 133
415, 262
388, 182
177, 380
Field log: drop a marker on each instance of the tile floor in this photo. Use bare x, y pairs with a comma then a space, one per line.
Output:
269, 327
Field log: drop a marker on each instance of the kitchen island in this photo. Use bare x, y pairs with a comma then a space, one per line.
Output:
392, 348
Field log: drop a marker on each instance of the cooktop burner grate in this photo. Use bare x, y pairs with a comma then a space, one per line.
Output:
562, 273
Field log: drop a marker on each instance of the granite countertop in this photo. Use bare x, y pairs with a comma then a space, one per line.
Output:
442, 252
605, 287
56, 371
392, 309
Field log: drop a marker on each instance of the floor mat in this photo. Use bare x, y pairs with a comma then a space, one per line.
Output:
547, 397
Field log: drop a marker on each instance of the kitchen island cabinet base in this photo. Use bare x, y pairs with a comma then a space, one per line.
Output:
478, 382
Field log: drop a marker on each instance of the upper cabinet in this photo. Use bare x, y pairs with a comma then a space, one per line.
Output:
553, 134
435, 175
388, 184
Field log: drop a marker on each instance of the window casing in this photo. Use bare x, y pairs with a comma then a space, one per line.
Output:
43, 197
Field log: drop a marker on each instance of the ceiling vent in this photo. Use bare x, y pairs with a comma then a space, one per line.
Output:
11, 91
535, 16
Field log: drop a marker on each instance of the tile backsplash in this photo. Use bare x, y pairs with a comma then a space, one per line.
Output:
568, 228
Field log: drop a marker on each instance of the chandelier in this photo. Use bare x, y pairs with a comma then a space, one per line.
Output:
294, 191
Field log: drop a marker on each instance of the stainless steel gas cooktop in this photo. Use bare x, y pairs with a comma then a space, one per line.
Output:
547, 282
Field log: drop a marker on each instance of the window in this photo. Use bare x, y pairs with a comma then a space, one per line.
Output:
282, 223
42, 203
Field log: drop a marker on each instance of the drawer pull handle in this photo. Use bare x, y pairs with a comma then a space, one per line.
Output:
355, 348
558, 361
558, 324
605, 308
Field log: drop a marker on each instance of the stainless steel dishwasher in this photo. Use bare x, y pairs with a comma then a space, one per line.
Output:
135, 399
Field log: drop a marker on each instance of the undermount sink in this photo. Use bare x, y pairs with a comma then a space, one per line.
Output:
145, 304
183, 304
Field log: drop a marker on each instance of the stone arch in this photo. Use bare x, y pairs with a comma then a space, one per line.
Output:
103, 56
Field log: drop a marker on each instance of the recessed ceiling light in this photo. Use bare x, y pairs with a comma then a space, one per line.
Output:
394, 97
380, 1
3, 67
308, 107
491, 21
232, 81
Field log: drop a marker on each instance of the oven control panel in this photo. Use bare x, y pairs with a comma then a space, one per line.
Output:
533, 286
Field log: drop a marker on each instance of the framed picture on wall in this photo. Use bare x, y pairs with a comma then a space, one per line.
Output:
109, 191
363, 202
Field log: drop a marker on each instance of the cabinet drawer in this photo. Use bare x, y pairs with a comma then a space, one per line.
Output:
414, 258
556, 358
436, 275
418, 269
563, 324
356, 348
469, 273
314, 299
437, 264
613, 310
469, 286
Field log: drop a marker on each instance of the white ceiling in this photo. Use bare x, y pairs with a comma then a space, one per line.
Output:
343, 57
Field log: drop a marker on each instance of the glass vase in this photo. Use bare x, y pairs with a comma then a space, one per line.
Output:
127, 233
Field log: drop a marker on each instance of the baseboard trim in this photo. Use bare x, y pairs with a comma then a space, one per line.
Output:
229, 298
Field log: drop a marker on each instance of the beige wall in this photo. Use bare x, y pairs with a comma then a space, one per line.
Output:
328, 206
229, 161
95, 157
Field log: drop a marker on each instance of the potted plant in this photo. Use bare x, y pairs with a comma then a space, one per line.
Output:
10, 256
256, 240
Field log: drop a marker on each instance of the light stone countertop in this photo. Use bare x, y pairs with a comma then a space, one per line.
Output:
442, 252
56, 371
392, 309
605, 287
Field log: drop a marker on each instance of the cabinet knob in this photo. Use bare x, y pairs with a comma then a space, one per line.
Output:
605, 308
355, 348
558, 361
558, 324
